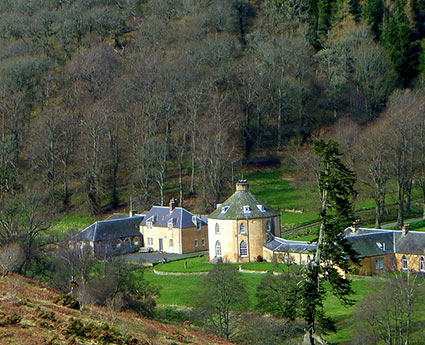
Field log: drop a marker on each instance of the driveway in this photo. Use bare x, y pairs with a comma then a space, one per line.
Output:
158, 257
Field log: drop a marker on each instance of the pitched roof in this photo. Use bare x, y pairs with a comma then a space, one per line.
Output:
372, 243
110, 229
181, 218
278, 244
413, 242
233, 208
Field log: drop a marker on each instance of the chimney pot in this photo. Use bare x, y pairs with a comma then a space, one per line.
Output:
405, 229
173, 204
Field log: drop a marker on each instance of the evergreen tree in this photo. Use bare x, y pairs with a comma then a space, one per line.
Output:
373, 12
396, 38
336, 185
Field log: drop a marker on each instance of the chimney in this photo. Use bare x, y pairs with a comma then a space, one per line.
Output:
242, 185
405, 229
173, 204
356, 226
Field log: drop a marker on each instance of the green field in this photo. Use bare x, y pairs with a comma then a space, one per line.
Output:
183, 291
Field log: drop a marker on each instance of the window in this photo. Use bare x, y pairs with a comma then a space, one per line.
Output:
379, 264
217, 228
422, 264
224, 209
149, 225
150, 241
170, 225
261, 208
404, 262
196, 243
243, 249
381, 245
218, 249
199, 225
171, 243
247, 209
242, 228
269, 226
308, 259
204, 242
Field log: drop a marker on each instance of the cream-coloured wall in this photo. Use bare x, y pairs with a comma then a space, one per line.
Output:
183, 240
166, 234
230, 237
412, 261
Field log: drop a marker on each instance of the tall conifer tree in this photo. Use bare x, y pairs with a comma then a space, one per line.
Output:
336, 184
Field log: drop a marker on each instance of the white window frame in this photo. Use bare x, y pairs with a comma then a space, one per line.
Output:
225, 209
404, 263
199, 226
171, 243
196, 243
243, 252
170, 225
379, 264
149, 225
242, 229
204, 242
217, 228
247, 209
150, 241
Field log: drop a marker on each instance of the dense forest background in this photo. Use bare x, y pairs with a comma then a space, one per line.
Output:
104, 100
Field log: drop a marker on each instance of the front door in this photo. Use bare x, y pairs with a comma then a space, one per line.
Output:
161, 245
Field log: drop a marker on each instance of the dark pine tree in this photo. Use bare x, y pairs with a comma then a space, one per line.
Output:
336, 183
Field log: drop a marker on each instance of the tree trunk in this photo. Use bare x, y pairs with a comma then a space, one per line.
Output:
408, 192
400, 217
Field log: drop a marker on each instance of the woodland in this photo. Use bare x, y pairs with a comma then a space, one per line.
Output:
107, 100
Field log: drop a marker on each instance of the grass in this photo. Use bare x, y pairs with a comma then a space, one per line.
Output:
71, 221
200, 264
183, 291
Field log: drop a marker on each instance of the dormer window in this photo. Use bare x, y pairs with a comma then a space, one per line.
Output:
381, 245
224, 209
149, 225
219, 206
247, 209
199, 226
261, 208
170, 224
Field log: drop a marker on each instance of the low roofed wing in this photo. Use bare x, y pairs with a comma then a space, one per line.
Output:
110, 229
372, 243
277, 244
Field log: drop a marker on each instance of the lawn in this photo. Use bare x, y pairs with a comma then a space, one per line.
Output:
200, 264
184, 291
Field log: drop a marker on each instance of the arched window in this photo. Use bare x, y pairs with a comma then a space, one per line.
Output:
218, 249
217, 228
404, 262
269, 226
422, 264
243, 249
242, 228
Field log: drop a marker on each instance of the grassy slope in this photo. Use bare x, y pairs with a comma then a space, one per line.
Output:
33, 303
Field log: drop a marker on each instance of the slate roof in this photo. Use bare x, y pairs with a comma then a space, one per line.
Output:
161, 215
411, 243
117, 216
236, 204
278, 244
110, 229
373, 243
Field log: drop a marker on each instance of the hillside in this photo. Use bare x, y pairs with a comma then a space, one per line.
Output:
31, 314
